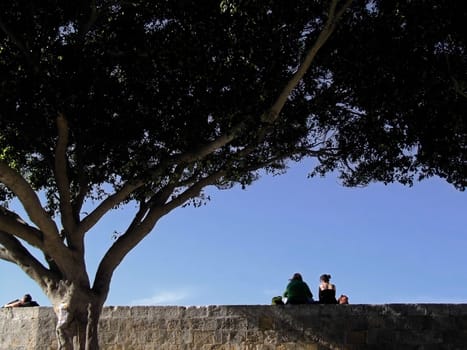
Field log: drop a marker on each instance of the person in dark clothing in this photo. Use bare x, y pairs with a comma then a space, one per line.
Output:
327, 290
343, 299
25, 301
297, 291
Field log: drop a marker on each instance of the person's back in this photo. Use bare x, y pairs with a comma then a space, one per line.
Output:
327, 290
297, 291
327, 296
29, 304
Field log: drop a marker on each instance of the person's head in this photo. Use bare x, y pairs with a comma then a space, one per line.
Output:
277, 301
26, 298
297, 277
325, 278
343, 299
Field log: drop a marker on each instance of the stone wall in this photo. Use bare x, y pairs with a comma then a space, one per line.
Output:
262, 327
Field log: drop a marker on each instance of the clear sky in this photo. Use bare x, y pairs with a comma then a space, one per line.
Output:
381, 244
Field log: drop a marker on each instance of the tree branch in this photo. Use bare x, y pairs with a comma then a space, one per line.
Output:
269, 117
10, 222
79, 199
29, 199
131, 238
4, 255
125, 243
205, 150
139, 216
145, 221
83, 188
50, 241
328, 29
61, 177
110, 202
16, 253
192, 191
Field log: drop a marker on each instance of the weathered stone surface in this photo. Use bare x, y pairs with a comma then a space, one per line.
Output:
255, 327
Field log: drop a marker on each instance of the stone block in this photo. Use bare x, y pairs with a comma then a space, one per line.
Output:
456, 337
356, 337
418, 323
381, 336
460, 321
265, 323
203, 337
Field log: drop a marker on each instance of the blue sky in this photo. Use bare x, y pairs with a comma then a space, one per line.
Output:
381, 244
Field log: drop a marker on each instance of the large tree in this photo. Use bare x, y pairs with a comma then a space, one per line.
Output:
149, 102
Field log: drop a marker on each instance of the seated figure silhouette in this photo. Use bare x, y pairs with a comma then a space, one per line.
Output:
25, 301
327, 290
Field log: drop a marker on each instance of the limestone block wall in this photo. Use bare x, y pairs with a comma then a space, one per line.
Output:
254, 327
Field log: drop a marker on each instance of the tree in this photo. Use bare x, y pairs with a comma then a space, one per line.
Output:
150, 102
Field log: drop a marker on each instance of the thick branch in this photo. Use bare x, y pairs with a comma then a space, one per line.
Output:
29, 199
192, 191
61, 175
10, 222
272, 115
131, 238
157, 200
13, 251
4, 255
110, 202
125, 243
145, 221
205, 150
81, 196
139, 216
323, 37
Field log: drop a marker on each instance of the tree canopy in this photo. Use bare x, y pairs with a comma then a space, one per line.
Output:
152, 101
404, 79
384, 101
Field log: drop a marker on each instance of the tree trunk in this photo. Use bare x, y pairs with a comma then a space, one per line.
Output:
78, 313
92, 339
77, 327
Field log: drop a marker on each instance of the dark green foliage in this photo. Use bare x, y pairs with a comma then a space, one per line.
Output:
400, 89
142, 83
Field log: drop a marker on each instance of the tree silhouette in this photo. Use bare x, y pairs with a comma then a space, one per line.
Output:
149, 102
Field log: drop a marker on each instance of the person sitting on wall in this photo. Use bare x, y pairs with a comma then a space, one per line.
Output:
25, 301
343, 299
327, 290
297, 291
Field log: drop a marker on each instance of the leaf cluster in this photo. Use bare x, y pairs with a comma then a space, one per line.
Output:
144, 84
396, 95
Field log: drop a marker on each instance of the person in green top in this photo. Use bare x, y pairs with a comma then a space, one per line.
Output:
297, 291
